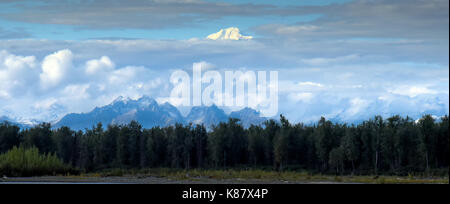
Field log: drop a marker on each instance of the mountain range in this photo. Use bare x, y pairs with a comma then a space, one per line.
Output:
150, 114
23, 124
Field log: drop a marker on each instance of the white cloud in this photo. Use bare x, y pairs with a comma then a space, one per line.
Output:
55, 68
103, 64
290, 30
325, 61
306, 91
124, 75
413, 91
14, 62
303, 97
357, 105
76, 91
308, 83
46, 103
4, 94
205, 66
16, 74
65, 89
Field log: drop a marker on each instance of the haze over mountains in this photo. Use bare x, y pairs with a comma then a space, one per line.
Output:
150, 114
9, 120
19, 122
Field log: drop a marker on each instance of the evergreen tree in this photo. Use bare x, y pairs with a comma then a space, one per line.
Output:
324, 141
156, 147
134, 142
396, 145
350, 146
200, 146
9, 136
39, 136
64, 140
256, 145
281, 143
427, 129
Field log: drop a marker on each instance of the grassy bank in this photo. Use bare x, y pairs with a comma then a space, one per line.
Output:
169, 175
22, 162
265, 176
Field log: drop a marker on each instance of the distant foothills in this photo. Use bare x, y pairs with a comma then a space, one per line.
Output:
149, 113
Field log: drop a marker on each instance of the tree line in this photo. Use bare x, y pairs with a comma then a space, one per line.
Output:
396, 145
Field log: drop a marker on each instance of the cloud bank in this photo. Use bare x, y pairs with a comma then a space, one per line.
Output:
49, 88
60, 83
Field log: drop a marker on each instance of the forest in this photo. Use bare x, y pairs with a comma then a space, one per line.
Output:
394, 146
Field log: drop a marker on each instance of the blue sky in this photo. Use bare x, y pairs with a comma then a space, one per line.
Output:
335, 58
199, 28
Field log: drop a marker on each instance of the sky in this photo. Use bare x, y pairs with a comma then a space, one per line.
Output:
342, 59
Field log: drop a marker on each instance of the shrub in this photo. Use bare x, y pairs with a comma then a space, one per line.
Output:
20, 161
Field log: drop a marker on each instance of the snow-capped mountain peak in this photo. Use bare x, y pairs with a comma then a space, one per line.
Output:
121, 99
122, 111
231, 33
207, 115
